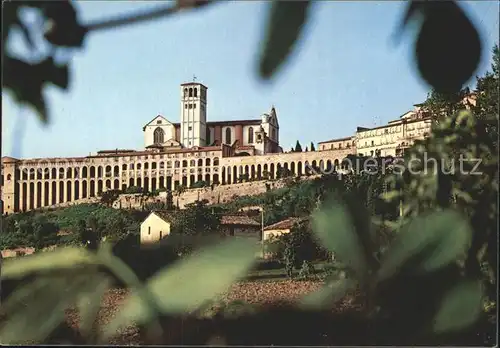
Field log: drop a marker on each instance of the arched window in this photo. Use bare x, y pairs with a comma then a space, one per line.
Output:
159, 136
228, 136
190, 92
250, 135
185, 92
196, 92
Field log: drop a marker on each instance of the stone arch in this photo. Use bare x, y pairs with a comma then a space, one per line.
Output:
46, 196
76, 189
92, 188
61, 192
68, 191
53, 190
39, 197
84, 189
99, 172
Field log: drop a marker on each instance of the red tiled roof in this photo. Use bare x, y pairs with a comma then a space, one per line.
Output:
338, 139
284, 224
236, 219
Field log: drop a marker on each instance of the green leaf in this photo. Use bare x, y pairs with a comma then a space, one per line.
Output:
89, 302
460, 308
185, 286
48, 261
26, 81
284, 28
444, 24
37, 308
389, 196
428, 242
330, 293
336, 231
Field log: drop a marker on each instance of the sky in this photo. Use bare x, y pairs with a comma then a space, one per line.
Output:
346, 72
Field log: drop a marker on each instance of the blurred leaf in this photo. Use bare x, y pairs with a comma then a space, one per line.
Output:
26, 81
37, 308
389, 196
89, 302
446, 35
335, 229
188, 284
284, 28
48, 261
461, 307
330, 293
63, 28
429, 242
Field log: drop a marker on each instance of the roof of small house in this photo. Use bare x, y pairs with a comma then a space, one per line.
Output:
238, 219
165, 215
284, 224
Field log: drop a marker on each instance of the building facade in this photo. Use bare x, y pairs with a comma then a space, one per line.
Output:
175, 154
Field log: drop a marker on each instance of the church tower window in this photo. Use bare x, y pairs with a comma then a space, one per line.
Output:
250, 135
228, 136
158, 136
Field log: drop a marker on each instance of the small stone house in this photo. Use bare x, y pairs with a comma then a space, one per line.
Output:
280, 228
239, 225
156, 226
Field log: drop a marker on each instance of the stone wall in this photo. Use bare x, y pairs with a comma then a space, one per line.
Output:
219, 194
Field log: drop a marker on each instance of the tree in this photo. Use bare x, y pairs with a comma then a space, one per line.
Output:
44, 232
312, 147
169, 200
487, 102
108, 197
298, 147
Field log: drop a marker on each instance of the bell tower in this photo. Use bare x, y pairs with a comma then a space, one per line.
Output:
193, 114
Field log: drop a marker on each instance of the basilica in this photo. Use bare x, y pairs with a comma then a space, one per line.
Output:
174, 154
192, 150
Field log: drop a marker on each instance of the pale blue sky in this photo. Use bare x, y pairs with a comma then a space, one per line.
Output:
346, 73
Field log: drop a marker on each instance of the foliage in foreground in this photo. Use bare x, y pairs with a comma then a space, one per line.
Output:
421, 255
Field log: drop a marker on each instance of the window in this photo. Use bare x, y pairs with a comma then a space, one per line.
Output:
196, 92
185, 106
158, 122
373, 143
340, 145
194, 106
228, 136
273, 133
386, 131
190, 106
250, 135
149, 230
190, 128
158, 136
161, 231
